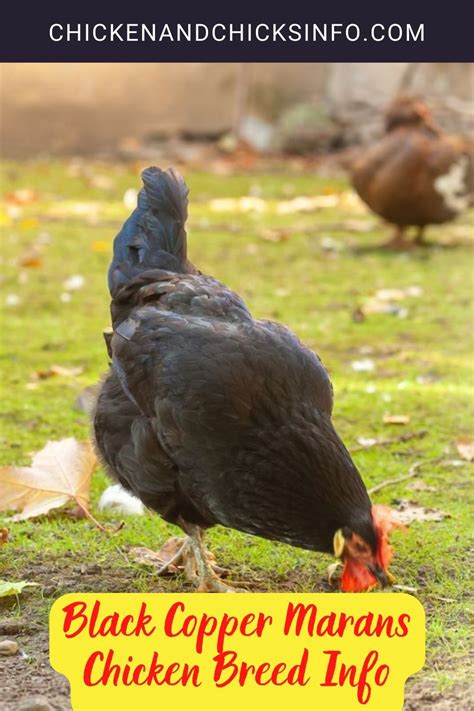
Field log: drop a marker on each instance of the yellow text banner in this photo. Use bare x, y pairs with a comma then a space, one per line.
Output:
246, 651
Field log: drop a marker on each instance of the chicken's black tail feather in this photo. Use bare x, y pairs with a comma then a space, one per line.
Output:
154, 236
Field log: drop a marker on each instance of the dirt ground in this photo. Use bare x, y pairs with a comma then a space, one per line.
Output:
28, 683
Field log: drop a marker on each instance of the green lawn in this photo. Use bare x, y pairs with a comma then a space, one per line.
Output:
311, 270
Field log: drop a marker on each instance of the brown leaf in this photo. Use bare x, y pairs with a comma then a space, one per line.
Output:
303, 203
31, 259
246, 203
103, 182
4, 533
157, 560
409, 511
23, 196
274, 235
395, 419
465, 447
59, 473
58, 370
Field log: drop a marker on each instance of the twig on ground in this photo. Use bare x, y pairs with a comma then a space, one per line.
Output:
443, 599
412, 472
385, 441
113, 528
404, 588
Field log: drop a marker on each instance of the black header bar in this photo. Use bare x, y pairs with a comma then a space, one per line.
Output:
238, 31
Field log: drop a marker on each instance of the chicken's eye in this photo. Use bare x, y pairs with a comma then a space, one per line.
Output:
360, 548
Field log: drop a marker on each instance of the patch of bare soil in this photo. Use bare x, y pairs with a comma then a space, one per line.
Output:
28, 677
423, 694
27, 681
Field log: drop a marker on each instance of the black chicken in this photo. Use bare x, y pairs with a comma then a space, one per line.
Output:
211, 417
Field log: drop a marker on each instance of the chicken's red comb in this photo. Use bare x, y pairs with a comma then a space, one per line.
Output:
384, 522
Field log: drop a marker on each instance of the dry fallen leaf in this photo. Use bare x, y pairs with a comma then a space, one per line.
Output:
390, 294
395, 419
246, 203
348, 199
4, 533
59, 473
103, 182
398, 294
11, 588
23, 196
274, 235
409, 511
58, 370
303, 203
157, 559
376, 306
465, 447
386, 301
31, 258
72, 208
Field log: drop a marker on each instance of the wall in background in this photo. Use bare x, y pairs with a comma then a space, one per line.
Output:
89, 108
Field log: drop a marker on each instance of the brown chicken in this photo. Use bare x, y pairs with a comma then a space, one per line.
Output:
416, 175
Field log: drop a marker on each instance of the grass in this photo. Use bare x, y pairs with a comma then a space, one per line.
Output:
423, 369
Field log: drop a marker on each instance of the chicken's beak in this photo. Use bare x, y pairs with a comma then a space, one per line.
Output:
339, 543
382, 578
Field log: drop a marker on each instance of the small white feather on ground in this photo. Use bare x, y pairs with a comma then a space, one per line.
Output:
115, 498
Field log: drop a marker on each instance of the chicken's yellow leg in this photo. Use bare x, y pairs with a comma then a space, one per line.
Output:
207, 578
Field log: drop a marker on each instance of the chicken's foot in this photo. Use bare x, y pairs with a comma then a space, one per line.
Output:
177, 553
398, 240
208, 580
420, 237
